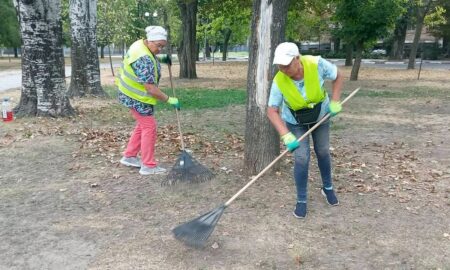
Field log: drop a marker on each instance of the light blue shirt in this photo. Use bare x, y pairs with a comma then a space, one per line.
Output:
327, 71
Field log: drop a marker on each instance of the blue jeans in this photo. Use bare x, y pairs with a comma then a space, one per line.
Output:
321, 140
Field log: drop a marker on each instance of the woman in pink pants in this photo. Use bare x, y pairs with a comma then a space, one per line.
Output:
139, 91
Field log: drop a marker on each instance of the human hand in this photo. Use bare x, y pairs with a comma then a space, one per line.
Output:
174, 102
334, 108
290, 141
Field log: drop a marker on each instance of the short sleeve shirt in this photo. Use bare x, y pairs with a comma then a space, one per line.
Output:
144, 70
327, 71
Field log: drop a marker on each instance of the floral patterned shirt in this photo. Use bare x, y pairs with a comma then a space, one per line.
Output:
144, 70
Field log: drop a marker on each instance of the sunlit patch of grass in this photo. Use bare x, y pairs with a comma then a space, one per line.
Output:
198, 98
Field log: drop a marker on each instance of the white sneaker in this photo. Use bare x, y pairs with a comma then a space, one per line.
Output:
155, 170
131, 161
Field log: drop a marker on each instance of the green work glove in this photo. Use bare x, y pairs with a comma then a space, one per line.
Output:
290, 141
174, 102
334, 108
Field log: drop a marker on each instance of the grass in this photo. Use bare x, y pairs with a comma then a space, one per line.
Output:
410, 92
198, 98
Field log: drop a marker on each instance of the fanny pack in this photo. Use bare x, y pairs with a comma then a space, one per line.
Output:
307, 115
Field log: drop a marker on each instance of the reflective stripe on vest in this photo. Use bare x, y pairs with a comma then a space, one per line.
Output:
128, 83
291, 94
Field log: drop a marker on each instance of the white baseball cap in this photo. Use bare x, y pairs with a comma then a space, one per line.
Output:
155, 33
284, 53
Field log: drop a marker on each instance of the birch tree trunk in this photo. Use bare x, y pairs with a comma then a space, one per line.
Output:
43, 77
187, 54
85, 79
262, 143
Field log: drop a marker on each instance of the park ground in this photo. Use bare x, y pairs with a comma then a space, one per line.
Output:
66, 202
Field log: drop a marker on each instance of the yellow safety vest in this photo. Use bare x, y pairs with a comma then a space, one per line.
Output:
128, 83
314, 92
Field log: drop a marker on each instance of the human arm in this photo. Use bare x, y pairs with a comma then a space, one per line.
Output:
331, 72
289, 139
145, 71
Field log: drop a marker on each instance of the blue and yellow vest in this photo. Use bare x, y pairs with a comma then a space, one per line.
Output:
128, 83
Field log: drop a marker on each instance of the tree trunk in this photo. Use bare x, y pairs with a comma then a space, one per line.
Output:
262, 143
348, 55
226, 39
16, 52
398, 42
43, 79
421, 13
85, 78
357, 64
102, 51
207, 49
187, 51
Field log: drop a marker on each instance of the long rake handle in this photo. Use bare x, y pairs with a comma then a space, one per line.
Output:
285, 151
176, 110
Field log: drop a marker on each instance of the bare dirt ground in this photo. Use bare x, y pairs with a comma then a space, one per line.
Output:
66, 203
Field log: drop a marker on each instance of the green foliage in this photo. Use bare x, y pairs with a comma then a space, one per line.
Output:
365, 21
309, 20
219, 16
438, 22
9, 25
125, 20
191, 99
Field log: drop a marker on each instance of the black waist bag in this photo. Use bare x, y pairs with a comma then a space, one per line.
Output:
307, 115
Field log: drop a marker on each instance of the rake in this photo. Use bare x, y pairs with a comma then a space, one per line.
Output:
195, 232
186, 168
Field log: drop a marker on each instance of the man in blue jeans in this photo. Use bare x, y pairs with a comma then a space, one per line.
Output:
298, 91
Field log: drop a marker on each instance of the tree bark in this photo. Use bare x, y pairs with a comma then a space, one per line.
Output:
43, 78
262, 143
85, 79
187, 49
398, 42
348, 55
357, 64
226, 39
421, 13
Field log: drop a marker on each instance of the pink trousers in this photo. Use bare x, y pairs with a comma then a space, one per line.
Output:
143, 139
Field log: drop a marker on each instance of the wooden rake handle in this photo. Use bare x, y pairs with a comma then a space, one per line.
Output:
176, 110
285, 151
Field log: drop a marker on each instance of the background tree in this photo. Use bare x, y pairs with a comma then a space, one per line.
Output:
9, 30
397, 39
262, 142
85, 79
421, 9
362, 22
187, 49
309, 20
442, 29
43, 80
225, 23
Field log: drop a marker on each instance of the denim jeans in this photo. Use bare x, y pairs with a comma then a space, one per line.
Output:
321, 140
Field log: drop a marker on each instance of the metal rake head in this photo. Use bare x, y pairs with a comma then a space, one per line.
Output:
194, 233
188, 170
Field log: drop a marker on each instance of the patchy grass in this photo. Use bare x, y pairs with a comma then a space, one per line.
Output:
199, 98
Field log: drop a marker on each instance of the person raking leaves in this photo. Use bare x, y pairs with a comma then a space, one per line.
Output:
297, 101
139, 91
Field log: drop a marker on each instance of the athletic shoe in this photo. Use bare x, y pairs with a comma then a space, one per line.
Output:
131, 162
155, 170
300, 210
330, 196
